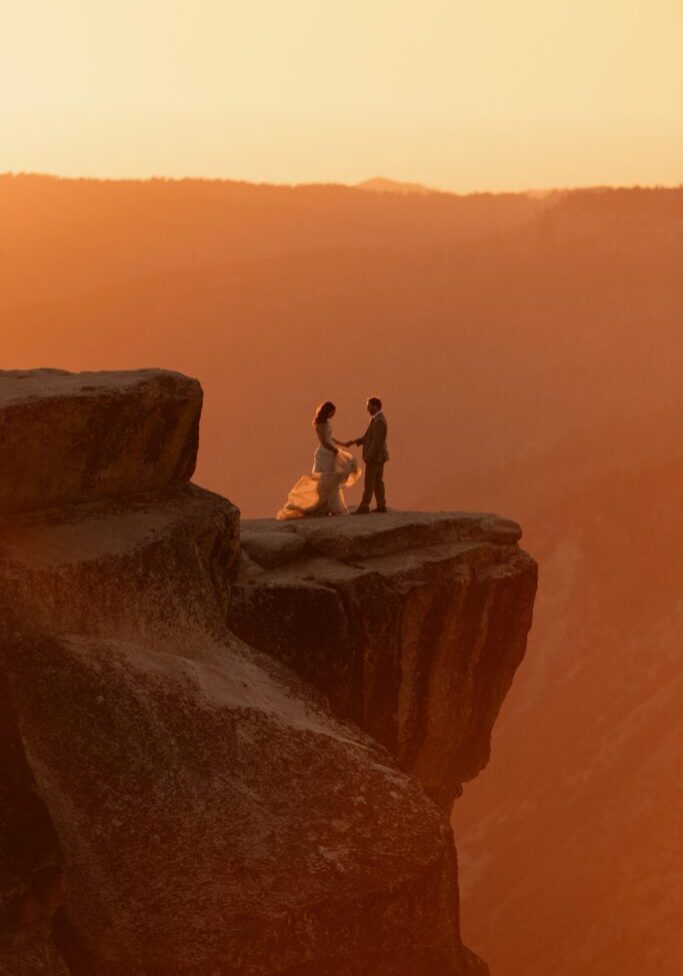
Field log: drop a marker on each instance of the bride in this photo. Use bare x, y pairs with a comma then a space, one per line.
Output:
320, 493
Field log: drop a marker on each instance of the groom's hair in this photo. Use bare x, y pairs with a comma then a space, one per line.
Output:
376, 402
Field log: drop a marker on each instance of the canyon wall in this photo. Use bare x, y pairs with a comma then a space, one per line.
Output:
221, 757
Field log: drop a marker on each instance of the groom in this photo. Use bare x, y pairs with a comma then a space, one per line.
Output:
375, 455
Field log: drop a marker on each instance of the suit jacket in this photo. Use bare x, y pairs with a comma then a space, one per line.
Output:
374, 440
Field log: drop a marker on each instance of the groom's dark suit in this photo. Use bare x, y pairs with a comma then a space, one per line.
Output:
375, 455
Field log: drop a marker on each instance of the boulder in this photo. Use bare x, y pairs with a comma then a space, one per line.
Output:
72, 437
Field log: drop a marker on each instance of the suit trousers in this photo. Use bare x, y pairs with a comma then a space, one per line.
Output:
374, 484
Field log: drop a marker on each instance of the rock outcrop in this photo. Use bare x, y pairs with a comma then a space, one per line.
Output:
412, 624
72, 437
176, 800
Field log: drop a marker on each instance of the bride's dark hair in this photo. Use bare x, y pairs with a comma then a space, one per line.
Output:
322, 413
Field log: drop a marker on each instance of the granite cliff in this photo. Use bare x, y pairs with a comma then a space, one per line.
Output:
220, 755
412, 625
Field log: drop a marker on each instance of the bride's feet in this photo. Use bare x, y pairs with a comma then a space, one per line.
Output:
317, 512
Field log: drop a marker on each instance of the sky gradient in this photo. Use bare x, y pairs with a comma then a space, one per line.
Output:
463, 96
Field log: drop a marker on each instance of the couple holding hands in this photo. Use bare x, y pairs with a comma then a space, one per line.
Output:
321, 492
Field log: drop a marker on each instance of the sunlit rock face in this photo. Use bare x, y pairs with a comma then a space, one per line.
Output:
72, 437
175, 800
412, 624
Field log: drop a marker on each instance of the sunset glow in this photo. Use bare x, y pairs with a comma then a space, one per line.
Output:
463, 96
263, 263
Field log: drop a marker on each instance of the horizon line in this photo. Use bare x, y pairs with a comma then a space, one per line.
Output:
426, 190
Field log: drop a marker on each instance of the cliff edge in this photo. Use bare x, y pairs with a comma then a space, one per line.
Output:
217, 753
411, 623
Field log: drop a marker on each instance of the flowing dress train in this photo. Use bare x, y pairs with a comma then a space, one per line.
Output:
320, 493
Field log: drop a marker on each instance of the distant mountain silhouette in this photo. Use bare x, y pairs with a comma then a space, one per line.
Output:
379, 184
529, 354
63, 235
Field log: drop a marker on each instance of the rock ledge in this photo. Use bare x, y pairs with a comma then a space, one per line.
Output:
73, 437
411, 623
269, 543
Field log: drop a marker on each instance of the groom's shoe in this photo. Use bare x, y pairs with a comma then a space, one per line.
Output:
379, 510
361, 510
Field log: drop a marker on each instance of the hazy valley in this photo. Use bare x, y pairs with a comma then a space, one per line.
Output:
529, 353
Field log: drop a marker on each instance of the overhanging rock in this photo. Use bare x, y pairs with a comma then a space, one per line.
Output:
75, 437
412, 624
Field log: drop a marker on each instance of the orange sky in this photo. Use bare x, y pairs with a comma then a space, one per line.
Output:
491, 94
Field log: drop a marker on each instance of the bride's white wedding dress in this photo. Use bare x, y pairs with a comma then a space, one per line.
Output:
320, 493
